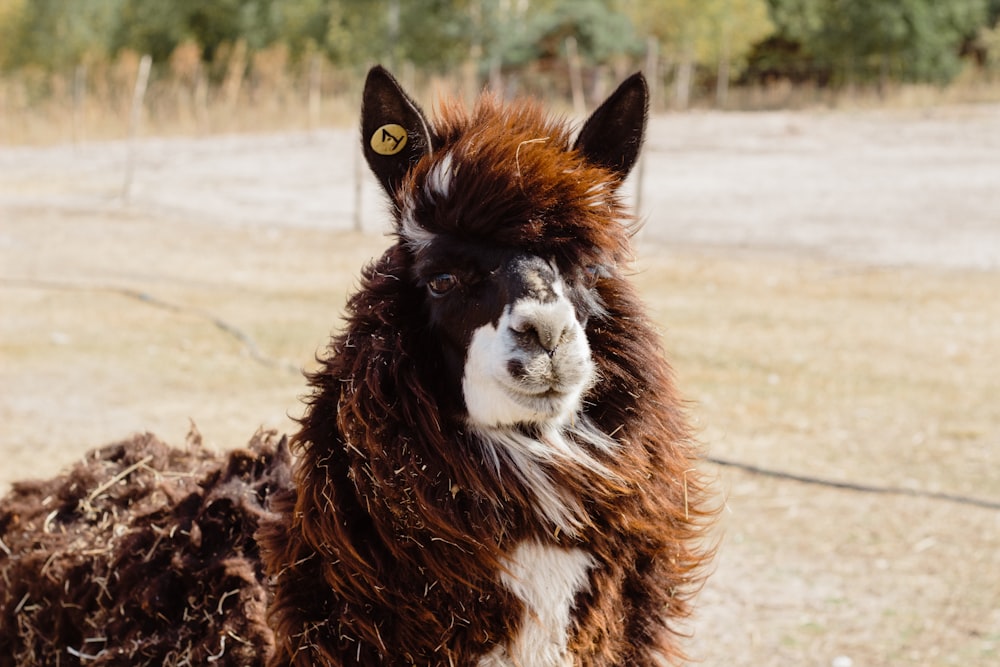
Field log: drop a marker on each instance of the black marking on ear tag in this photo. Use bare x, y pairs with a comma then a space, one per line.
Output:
389, 139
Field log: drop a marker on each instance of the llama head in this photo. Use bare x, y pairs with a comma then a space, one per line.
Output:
509, 229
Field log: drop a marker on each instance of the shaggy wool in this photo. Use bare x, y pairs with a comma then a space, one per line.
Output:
141, 554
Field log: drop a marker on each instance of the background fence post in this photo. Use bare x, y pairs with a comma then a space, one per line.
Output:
138, 95
358, 186
652, 71
576, 76
315, 90
79, 101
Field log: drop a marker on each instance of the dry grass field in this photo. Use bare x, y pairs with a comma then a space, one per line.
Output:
826, 284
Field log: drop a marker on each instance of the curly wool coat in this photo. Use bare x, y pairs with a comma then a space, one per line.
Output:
407, 532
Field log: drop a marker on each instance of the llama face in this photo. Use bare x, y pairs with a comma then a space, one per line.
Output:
533, 364
513, 328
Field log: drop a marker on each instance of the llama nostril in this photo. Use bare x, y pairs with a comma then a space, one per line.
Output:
532, 334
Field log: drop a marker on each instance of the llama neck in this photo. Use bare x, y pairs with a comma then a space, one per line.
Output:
549, 463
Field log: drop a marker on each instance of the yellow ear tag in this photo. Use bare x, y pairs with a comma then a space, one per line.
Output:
388, 139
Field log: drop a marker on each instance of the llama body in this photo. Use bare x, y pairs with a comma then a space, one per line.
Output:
494, 468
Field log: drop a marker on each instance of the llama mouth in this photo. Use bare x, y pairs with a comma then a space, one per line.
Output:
546, 395
548, 402
544, 392
549, 384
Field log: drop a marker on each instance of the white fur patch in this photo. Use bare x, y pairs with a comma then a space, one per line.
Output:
416, 236
547, 579
439, 178
551, 389
437, 185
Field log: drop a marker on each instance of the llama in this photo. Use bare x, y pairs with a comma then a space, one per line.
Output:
493, 470
494, 467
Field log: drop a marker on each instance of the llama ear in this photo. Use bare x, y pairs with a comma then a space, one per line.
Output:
394, 131
612, 135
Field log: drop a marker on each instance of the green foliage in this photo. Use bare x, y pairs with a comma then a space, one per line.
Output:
150, 27
433, 34
860, 40
157, 27
600, 33
855, 40
11, 21
705, 32
55, 33
799, 19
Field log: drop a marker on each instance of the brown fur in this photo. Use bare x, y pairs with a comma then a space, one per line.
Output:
142, 554
388, 550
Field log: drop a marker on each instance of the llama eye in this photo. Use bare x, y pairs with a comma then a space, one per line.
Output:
442, 283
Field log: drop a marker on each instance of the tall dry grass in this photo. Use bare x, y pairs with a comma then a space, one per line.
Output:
240, 92
973, 86
269, 90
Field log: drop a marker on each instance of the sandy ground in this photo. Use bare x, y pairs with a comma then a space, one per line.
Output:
826, 283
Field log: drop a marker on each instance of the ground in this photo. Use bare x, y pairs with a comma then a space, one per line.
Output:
826, 284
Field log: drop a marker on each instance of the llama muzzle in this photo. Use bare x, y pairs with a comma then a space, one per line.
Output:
534, 364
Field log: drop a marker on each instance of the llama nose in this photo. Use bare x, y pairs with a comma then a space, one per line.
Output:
539, 331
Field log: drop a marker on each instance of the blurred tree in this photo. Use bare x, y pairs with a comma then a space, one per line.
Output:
157, 27
303, 24
737, 25
55, 34
601, 33
152, 27
11, 20
709, 33
859, 40
798, 19
434, 34
839, 40
538, 42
